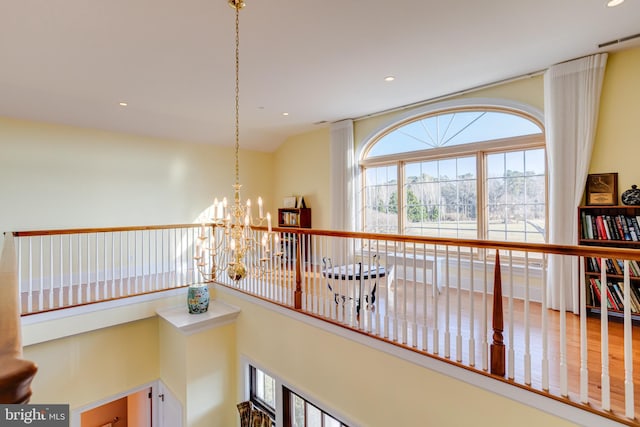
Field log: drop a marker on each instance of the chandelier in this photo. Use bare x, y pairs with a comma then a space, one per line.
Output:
232, 239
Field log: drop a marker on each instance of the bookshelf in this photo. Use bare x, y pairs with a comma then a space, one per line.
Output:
613, 226
294, 217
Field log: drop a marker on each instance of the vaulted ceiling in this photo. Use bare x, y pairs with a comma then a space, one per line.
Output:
72, 62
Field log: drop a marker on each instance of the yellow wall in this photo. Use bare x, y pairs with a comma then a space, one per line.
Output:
200, 370
302, 168
617, 146
57, 176
368, 386
88, 367
211, 377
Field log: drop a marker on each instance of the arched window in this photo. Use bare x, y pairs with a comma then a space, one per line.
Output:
467, 172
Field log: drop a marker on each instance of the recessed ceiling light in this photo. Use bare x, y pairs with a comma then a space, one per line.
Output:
285, 114
614, 3
389, 79
123, 104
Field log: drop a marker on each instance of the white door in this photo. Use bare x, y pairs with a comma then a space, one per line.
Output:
169, 408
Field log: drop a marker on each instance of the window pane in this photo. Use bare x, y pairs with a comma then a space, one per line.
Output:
329, 421
314, 416
270, 391
259, 384
442, 200
516, 200
297, 408
453, 128
381, 199
265, 388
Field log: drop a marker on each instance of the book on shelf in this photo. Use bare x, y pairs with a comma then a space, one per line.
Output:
614, 266
614, 295
610, 227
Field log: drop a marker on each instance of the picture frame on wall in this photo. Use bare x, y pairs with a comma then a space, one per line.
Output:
289, 202
602, 189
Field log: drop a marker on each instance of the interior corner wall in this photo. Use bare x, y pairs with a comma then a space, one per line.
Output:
364, 385
56, 176
86, 368
302, 168
617, 147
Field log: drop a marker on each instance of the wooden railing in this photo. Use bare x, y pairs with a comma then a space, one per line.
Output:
67, 268
481, 305
444, 298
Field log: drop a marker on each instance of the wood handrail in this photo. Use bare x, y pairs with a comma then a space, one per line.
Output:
32, 233
587, 251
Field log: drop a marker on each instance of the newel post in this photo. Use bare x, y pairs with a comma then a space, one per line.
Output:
297, 294
497, 346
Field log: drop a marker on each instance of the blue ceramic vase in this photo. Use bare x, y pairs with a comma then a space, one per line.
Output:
198, 299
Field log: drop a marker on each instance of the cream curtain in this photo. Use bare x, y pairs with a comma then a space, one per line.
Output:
571, 100
342, 178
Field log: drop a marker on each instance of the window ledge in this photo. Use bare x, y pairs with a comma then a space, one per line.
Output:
219, 314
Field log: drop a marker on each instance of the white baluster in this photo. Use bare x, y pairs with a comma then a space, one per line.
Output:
485, 321
628, 347
527, 323
41, 272
434, 296
459, 307
604, 337
69, 289
511, 357
447, 315
414, 324
472, 339
403, 320
425, 330
584, 371
51, 272
545, 327
120, 235
385, 332
113, 264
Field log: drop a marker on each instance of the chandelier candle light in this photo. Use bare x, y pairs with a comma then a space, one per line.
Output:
237, 242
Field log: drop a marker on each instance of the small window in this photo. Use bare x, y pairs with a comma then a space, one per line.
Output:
263, 391
299, 412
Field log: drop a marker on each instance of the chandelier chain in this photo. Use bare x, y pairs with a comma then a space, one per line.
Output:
237, 96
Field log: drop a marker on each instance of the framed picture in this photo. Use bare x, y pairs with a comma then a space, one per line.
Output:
289, 202
602, 189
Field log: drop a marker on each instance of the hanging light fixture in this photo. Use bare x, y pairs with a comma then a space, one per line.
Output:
232, 239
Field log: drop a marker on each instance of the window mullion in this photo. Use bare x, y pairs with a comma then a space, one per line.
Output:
481, 191
401, 197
